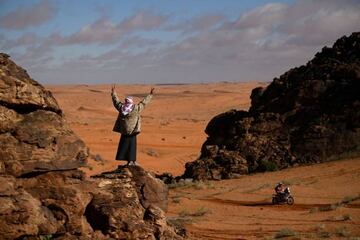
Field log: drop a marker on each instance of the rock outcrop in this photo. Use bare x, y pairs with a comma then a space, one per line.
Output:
44, 194
33, 133
309, 114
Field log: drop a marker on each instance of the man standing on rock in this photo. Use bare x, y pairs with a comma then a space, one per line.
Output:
128, 123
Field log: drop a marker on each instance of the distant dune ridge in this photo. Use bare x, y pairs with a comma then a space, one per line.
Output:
309, 114
43, 192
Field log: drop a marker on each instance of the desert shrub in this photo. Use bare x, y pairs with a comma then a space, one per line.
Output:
199, 185
46, 237
330, 207
201, 212
320, 232
342, 232
184, 213
190, 183
314, 210
346, 217
176, 200
267, 166
285, 232
334, 206
209, 185
186, 217
320, 227
324, 234
179, 224
349, 199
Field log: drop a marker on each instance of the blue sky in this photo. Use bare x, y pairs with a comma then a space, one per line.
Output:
88, 41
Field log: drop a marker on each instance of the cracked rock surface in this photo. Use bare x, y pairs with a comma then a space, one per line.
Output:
42, 190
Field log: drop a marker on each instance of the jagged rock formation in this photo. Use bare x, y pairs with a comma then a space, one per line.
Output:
309, 114
33, 133
42, 191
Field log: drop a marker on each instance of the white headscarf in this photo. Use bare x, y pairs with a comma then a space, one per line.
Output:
128, 106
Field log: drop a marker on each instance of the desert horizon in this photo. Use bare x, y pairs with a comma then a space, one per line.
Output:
173, 123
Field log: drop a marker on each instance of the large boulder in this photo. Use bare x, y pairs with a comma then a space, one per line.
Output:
43, 192
130, 204
34, 135
309, 114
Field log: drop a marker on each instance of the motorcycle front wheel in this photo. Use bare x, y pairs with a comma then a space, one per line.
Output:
290, 200
274, 200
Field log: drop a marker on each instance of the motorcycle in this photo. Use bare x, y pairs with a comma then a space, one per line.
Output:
283, 197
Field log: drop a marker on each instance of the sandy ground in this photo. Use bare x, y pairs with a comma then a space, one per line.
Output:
242, 209
172, 134
172, 124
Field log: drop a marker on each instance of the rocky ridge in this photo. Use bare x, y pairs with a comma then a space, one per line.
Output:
43, 193
310, 114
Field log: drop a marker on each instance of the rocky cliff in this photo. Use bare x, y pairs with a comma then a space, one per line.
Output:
309, 114
43, 194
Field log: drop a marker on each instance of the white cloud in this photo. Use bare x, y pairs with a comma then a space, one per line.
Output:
258, 45
197, 23
22, 18
27, 39
103, 31
143, 20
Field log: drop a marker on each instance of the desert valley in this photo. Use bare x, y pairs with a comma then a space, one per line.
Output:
173, 132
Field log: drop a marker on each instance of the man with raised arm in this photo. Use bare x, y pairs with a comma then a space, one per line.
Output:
128, 123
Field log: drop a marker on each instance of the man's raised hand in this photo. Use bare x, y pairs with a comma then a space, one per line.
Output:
112, 88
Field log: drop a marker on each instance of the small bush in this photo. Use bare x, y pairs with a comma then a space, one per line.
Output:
320, 227
286, 232
202, 211
189, 183
334, 206
347, 217
176, 200
324, 234
209, 185
314, 210
179, 222
342, 232
320, 232
185, 217
330, 207
184, 213
267, 166
46, 237
349, 199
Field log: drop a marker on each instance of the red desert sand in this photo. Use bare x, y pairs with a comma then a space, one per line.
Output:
327, 200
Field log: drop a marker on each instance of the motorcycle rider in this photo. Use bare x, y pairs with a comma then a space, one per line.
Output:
279, 189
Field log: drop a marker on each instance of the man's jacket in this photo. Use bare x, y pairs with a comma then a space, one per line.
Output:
131, 123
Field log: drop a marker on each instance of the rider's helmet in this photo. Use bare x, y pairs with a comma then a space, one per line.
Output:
280, 184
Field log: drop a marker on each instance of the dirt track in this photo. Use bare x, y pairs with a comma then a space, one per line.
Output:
242, 209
